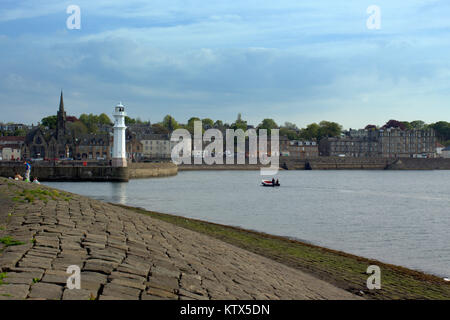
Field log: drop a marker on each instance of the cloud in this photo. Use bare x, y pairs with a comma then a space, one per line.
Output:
286, 60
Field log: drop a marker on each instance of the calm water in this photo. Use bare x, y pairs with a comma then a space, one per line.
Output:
399, 217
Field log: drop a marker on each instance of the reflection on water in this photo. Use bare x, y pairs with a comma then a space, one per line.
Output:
119, 193
400, 217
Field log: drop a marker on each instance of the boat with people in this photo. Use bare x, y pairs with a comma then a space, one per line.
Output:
270, 183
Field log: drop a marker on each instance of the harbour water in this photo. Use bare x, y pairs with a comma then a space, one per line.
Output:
398, 217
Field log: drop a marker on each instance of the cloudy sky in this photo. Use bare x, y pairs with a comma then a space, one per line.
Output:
297, 61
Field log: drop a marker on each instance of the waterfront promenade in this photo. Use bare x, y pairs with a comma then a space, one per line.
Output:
126, 255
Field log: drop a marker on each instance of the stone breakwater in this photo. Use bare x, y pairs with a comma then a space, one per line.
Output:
92, 172
152, 170
126, 255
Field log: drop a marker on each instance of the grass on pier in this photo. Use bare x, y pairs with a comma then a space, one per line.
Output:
344, 270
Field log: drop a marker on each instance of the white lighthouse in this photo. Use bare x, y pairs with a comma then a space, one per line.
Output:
119, 158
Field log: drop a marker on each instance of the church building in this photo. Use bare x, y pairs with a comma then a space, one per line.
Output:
61, 143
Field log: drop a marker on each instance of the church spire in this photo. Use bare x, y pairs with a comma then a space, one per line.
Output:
61, 103
61, 118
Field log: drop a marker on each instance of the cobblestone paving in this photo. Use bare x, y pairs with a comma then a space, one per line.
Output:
125, 255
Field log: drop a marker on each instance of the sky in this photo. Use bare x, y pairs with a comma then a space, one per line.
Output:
296, 61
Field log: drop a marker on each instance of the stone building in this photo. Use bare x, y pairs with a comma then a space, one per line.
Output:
446, 152
397, 143
60, 143
387, 143
439, 148
156, 146
303, 149
348, 147
11, 147
134, 147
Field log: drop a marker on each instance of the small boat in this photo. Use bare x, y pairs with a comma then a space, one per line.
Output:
268, 183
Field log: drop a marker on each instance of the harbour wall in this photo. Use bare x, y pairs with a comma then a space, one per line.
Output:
67, 173
152, 170
338, 163
91, 172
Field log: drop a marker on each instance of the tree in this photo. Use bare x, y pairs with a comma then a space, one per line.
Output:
407, 125
290, 126
310, 132
169, 123
91, 122
158, 128
218, 124
394, 124
239, 123
128, 121
442, 129
291, 134
418, 124
329, 129
50, 122
77, 128
104, 119
268, 124
207, 123
20, 133
190, 125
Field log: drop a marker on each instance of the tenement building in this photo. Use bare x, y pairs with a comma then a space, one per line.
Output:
156, 146
395, 143
303, 149
387, 142
61, 143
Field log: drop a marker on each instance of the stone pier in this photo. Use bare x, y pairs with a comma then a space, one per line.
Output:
126, 255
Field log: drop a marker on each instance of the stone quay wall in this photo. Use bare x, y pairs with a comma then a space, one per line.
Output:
91, 172
337, 163
67, 173
152, 170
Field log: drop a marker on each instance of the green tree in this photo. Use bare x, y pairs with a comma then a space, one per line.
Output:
20, 133
418, 124
77, 128
207, 123
91, 122
310, 132
291, 134
169, 123
329, 129
442, 129
239, 123
158, 128
190, 124
290, 126
129, 121
218, 124
268, 124
49, 122
104, 119
408, 125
